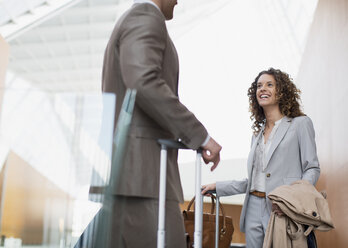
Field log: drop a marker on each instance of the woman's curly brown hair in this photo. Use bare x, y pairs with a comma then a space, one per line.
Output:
287, 95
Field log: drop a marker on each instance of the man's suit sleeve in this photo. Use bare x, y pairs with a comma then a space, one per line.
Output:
308, 150
142, 47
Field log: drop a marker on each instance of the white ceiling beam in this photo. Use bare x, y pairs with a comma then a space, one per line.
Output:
33, 18
58, 44
75, 86
111, 10
63, 72
57, 59
76, 28
77, 81
73, 80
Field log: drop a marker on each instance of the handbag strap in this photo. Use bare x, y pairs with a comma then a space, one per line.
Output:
212, 204
213, 199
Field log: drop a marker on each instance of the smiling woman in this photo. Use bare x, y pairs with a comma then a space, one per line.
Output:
283, 150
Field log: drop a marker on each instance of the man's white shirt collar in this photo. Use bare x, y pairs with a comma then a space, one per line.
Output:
146, 1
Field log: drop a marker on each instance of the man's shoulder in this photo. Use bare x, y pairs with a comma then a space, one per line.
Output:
137, 19
144, 11
141, 19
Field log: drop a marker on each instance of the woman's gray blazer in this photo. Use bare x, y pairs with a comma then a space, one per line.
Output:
292, 156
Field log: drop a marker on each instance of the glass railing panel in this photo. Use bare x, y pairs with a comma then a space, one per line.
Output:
53, 148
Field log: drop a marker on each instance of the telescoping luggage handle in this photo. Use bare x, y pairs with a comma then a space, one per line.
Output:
165, 144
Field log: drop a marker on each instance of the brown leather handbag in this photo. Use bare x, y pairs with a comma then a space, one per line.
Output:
225, 226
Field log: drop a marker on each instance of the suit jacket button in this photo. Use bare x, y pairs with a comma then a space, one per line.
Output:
268, 175
314, 214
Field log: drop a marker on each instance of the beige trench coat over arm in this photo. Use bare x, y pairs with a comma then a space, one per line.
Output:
302, 205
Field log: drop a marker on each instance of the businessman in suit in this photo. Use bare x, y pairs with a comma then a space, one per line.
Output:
141, 55
283, 150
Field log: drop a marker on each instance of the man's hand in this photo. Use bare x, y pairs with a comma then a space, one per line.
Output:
211, 153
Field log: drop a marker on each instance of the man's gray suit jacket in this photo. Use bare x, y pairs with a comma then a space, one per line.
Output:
141, 55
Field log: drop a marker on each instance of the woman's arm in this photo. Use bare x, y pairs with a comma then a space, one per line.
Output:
233, 187
308, 150
226, 188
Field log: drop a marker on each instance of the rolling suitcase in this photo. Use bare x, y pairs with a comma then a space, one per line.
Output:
198, 228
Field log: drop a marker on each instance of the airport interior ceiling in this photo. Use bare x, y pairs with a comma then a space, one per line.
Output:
58, 45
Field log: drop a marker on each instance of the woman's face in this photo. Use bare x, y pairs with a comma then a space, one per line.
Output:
266, 91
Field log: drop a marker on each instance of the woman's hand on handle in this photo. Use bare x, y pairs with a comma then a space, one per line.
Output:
208, 187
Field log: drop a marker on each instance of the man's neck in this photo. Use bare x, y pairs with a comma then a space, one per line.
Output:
158, 3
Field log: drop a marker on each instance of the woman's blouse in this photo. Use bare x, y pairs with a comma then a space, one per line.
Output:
258, 180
